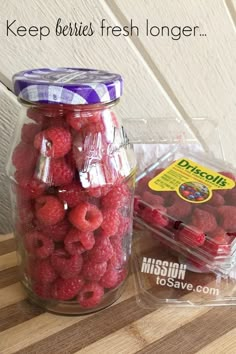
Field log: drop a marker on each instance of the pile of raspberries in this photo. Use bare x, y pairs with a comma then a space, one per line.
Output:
74, 237
209, 226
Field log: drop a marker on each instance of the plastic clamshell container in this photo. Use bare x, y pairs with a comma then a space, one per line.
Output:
163, 276
187, 200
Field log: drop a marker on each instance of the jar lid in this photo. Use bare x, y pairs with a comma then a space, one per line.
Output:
67, 85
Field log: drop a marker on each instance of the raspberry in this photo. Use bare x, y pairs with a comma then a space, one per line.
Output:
179, 209
35, 114
90, 295
111, 221
77, 242
25, 211
155, 216
56, 232
60, 172
49, 210
119, 256
38, 245
78, 120
28, 186
53, 142
43, 272
110, 278
94, 271
227, 215
86, 217
72, 194
218, 244
231, 197
191, 236
66, 289
28, 132
94, 128
98, 192
66, 265
204, 220
124, 226
43, 290
142, 185
216, 200
153, 199
210, 209
116, 198
102, 250
24, 157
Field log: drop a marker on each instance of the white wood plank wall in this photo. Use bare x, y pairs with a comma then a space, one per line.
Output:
192, 77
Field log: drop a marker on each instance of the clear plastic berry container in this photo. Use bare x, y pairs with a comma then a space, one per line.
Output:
187, 200
72, 172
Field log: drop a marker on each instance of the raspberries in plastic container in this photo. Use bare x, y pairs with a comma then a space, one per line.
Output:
199, 221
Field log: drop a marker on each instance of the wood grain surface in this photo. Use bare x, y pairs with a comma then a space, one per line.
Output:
123, 328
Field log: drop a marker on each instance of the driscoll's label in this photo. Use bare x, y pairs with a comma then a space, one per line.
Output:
191, 181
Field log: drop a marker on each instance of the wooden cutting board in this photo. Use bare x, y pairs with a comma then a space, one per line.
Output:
122, 328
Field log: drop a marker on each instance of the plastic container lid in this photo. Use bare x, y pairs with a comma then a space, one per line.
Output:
68, 85
188, 201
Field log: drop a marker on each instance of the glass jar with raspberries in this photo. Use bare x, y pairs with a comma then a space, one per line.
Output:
72, 174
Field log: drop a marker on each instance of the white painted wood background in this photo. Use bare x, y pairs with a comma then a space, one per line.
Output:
192, 77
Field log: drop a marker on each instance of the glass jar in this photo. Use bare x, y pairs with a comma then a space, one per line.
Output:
72, 174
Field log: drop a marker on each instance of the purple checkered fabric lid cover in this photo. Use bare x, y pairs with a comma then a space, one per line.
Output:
68, 86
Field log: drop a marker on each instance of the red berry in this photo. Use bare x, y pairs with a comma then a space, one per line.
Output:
56, 232
110, 278
90, 295
153, 199
28, 186
53, 142
72, 194
204, 220
29, 131
111, 221
155, 216
93, 271
216, 200
179, 209
119, 257
43, 290
35, 114
61, 173
43, 271
77, 242
86, 217
231, 197
102, 250
66, 265
98, 192
218, 243
38, 244
124, 226
117, 198
191, 236
24, 157
25, 212
66, 289
227, 215
49, 210
78, 120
